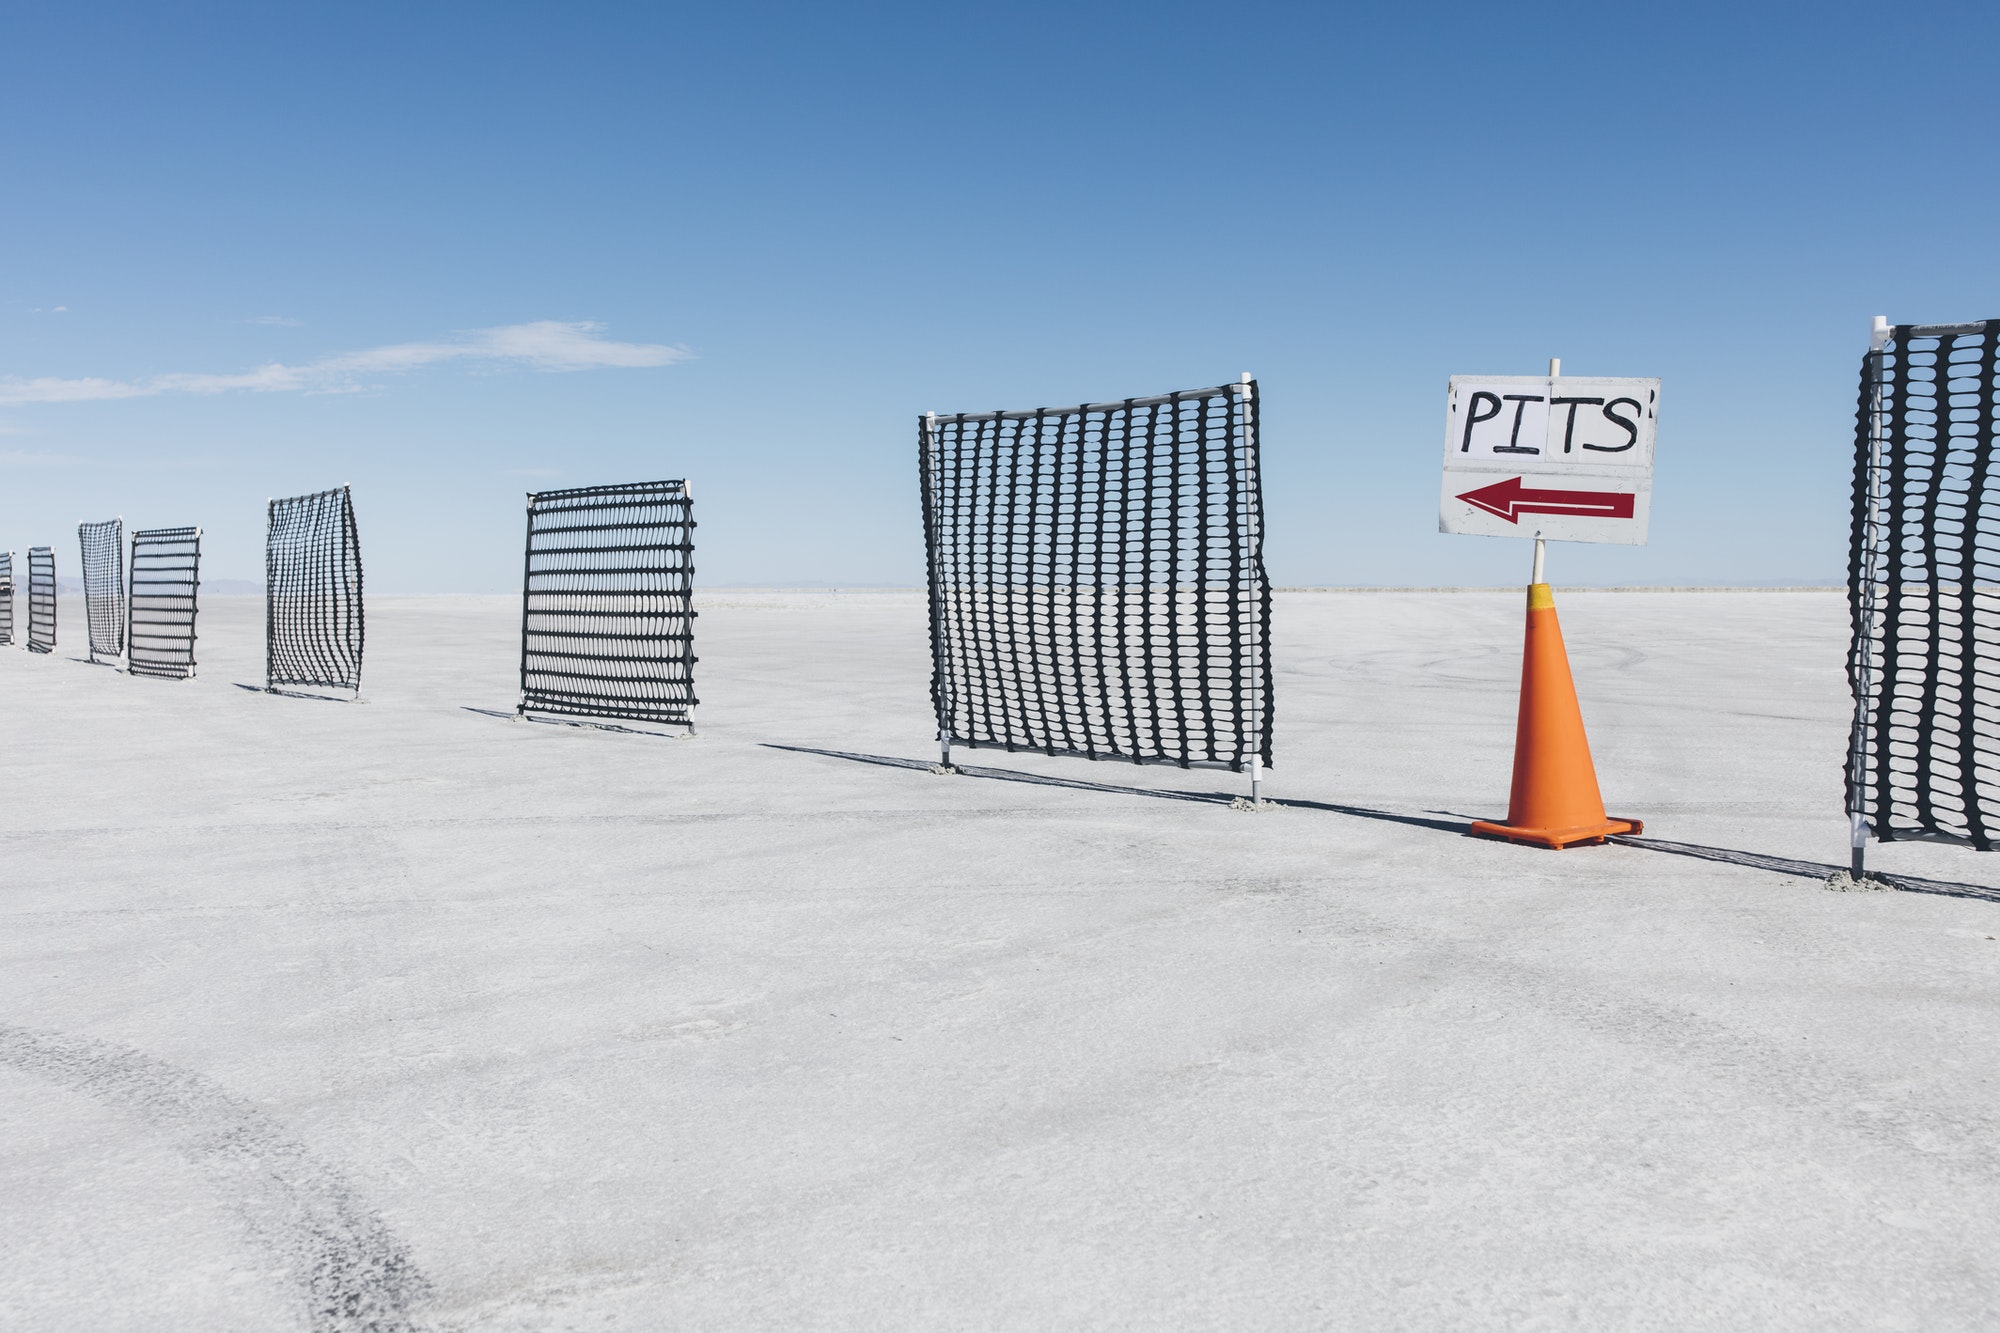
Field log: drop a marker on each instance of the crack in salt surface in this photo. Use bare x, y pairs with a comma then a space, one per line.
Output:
353, 1275
197, 832
1950, 1140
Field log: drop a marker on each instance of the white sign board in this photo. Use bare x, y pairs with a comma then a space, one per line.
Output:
1568, 458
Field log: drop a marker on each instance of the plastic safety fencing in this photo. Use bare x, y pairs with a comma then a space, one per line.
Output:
166, 576
1097, 583
607, 614
41, 599
1924, 587
6, 597
103, 547
312, 592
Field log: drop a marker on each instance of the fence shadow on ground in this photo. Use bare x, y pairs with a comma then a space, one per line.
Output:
509, 715
1785, 865
299, 694
1221, 798
1780, 865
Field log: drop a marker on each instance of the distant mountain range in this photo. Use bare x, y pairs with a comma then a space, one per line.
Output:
212, 587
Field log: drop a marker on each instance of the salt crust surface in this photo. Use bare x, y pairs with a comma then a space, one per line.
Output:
616, 1031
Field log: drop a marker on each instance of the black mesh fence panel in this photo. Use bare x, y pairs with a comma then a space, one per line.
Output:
607, 615
1097, 581
312, 593
6, 597
41, 599
103, 547
166, 575
1924, 587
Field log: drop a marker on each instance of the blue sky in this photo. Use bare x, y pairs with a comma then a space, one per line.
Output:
452, 253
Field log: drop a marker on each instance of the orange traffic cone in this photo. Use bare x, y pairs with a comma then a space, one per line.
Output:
1555, 801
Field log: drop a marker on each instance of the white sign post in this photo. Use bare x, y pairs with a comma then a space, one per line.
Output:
1554, 457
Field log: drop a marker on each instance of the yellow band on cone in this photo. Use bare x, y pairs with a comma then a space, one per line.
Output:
1541, 597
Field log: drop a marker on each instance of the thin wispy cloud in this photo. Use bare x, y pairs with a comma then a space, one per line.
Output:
30, 458
548, 345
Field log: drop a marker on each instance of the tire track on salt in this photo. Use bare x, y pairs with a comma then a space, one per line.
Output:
352, 1274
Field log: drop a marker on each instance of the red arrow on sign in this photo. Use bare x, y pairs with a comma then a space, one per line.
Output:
1509, 499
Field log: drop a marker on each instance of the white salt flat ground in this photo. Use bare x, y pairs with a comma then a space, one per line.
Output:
317, 1015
